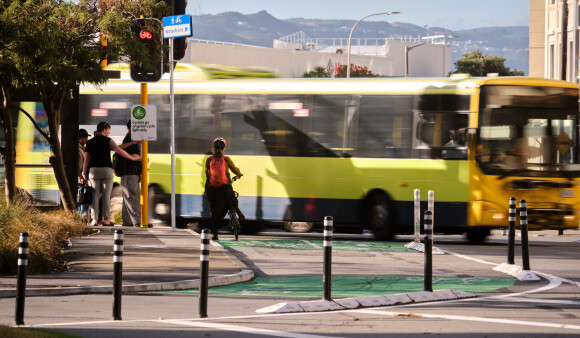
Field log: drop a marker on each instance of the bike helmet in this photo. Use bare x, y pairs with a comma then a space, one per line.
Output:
219, 143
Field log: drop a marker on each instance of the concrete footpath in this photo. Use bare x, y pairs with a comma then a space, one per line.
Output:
153, 259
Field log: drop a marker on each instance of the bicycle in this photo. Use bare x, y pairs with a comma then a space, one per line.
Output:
234, 223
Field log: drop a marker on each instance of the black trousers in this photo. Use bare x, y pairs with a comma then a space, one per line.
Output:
220, 201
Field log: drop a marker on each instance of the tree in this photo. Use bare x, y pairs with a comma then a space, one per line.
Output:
476, 63
50, 47
318, 71
355, 71
8, 84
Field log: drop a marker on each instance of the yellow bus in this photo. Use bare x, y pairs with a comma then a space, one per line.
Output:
356, 149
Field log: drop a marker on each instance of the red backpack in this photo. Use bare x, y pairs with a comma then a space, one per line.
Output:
218, 172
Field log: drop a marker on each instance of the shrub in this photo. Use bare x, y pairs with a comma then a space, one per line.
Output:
48, 234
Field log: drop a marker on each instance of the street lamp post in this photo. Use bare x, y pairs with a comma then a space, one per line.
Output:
407, 49
350, 37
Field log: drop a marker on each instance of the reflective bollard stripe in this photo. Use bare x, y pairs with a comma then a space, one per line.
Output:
23, 249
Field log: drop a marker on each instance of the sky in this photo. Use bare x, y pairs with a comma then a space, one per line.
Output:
450, 14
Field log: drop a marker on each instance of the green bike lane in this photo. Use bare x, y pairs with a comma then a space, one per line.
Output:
344, 286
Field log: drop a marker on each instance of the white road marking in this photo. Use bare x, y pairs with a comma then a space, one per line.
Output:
470, 318
236, 328
195, 322
469, 258
538, 300
310, 243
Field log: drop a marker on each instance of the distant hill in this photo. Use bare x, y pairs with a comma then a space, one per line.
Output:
261, 28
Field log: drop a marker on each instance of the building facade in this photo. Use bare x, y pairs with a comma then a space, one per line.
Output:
427, 58
554, 28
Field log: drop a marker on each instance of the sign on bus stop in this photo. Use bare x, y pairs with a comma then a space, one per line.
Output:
177, 26
144, 122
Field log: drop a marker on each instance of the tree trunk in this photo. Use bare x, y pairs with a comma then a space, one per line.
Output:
52, 106
69, 139
9, 151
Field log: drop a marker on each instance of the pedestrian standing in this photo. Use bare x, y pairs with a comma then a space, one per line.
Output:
130, 182
100, 174
83, 139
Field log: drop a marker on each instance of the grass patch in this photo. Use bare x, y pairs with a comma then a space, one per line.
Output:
12, 332
48, 235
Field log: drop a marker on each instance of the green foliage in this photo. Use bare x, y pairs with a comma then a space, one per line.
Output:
358, 72
19, 332
318, 71
51, 46
476, 63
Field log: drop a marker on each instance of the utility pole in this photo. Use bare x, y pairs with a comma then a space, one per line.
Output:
564, 38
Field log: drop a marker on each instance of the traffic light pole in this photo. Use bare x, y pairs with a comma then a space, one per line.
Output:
145, 171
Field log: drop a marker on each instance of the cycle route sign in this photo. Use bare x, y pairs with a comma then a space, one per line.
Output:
177, 26
144, 122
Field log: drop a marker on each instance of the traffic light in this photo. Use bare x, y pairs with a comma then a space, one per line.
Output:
150, 71
179, 47
177, 7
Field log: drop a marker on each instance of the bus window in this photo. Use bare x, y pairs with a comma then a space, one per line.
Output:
333, 117
443, 133
385, 126
528, 130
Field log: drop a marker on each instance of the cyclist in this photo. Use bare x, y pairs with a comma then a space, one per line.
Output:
218, 187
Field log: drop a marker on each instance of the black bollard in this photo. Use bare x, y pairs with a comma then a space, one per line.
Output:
21, 284
512, 230
524, 230
327, 277
203, 282
117, 274
428, 242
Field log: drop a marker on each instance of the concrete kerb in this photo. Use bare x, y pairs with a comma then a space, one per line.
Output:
364, 302
517, 271
243, 276
421, 248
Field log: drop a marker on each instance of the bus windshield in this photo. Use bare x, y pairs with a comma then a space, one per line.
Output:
528, 131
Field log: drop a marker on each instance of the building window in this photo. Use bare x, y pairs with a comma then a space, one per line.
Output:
551, 63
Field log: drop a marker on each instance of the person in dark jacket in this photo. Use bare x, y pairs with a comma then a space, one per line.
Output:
130, 182
100, 174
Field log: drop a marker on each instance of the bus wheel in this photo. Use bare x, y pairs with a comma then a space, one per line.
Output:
298, 227
379, 216
159, 208
477, 235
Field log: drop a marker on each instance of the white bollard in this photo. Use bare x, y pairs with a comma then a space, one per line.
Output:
431, 205
417, 215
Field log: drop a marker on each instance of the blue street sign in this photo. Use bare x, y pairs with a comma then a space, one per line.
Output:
177, 26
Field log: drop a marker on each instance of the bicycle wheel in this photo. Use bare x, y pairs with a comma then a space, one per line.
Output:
234, 224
